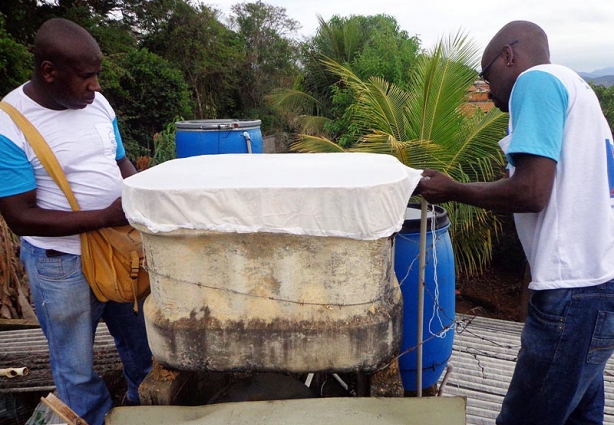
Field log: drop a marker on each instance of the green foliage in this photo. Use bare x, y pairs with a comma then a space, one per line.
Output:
149, 17
147, 93
389, 53
428, 125
15, 62
606, 99
113, 37
366, 45
25, 17
344, 125
164, 144
208, 55
269, 57
229, 72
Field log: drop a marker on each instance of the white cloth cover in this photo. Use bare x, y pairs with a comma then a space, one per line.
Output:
352, 195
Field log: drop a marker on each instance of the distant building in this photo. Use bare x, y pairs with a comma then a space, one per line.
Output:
477, 97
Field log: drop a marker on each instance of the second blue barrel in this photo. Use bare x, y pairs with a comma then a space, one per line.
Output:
439, 295
207, 137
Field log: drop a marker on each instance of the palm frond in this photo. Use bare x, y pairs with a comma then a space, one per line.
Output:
378, 104
313, 144
473, 229
413, 153
474, 142
340, 39
439, 85
310, 124
296, 101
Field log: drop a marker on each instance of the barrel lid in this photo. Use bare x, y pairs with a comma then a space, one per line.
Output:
221, 124
413, 214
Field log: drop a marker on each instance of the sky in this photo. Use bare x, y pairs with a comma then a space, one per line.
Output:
580, 32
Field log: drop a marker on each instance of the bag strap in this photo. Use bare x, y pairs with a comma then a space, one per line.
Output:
42, 151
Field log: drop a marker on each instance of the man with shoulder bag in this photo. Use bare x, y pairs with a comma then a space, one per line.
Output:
62, 102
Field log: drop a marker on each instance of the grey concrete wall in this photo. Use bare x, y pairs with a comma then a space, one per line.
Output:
276, 143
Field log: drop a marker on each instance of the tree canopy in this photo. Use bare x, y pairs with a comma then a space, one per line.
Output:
15, 61
166, 59
606, 98
369, 46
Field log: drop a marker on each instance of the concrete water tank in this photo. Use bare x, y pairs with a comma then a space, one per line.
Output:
272, 262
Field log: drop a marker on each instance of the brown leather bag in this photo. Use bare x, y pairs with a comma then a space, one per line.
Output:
113, 263
112, 258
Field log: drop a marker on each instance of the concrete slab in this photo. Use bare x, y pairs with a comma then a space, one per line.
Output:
340, 411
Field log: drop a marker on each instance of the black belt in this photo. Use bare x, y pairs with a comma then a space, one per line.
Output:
53, 253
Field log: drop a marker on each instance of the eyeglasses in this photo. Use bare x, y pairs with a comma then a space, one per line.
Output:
485, 69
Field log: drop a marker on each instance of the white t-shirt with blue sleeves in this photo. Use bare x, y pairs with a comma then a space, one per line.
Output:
19, 177
555, 114
17, 174
87, 145
539, 119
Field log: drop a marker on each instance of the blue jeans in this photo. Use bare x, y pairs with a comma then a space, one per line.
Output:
566, 341
69, 313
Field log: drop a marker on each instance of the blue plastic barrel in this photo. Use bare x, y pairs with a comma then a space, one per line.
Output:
439, 294
207, 137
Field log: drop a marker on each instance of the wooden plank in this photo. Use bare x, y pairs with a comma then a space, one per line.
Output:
62, 410
16, 324
314, 411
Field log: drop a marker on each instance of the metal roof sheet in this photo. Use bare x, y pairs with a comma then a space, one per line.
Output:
483, 360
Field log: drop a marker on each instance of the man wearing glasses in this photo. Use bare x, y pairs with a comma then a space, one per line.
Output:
560, 189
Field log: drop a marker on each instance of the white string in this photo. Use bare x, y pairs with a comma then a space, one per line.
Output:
441, 333
436, 307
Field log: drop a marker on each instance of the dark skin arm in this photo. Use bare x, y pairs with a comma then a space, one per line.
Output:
25, 218
126, 167
527, 191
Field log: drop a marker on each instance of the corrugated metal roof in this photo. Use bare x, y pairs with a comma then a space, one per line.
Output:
483, 360
29, 348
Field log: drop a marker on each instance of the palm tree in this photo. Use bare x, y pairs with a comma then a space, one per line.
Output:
430, 125
367, 45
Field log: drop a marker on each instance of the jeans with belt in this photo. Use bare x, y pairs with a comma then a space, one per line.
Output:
567, 339
69, 313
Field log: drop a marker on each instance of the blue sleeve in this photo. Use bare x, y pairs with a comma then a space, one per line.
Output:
538, 109
16, 172
121, 151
